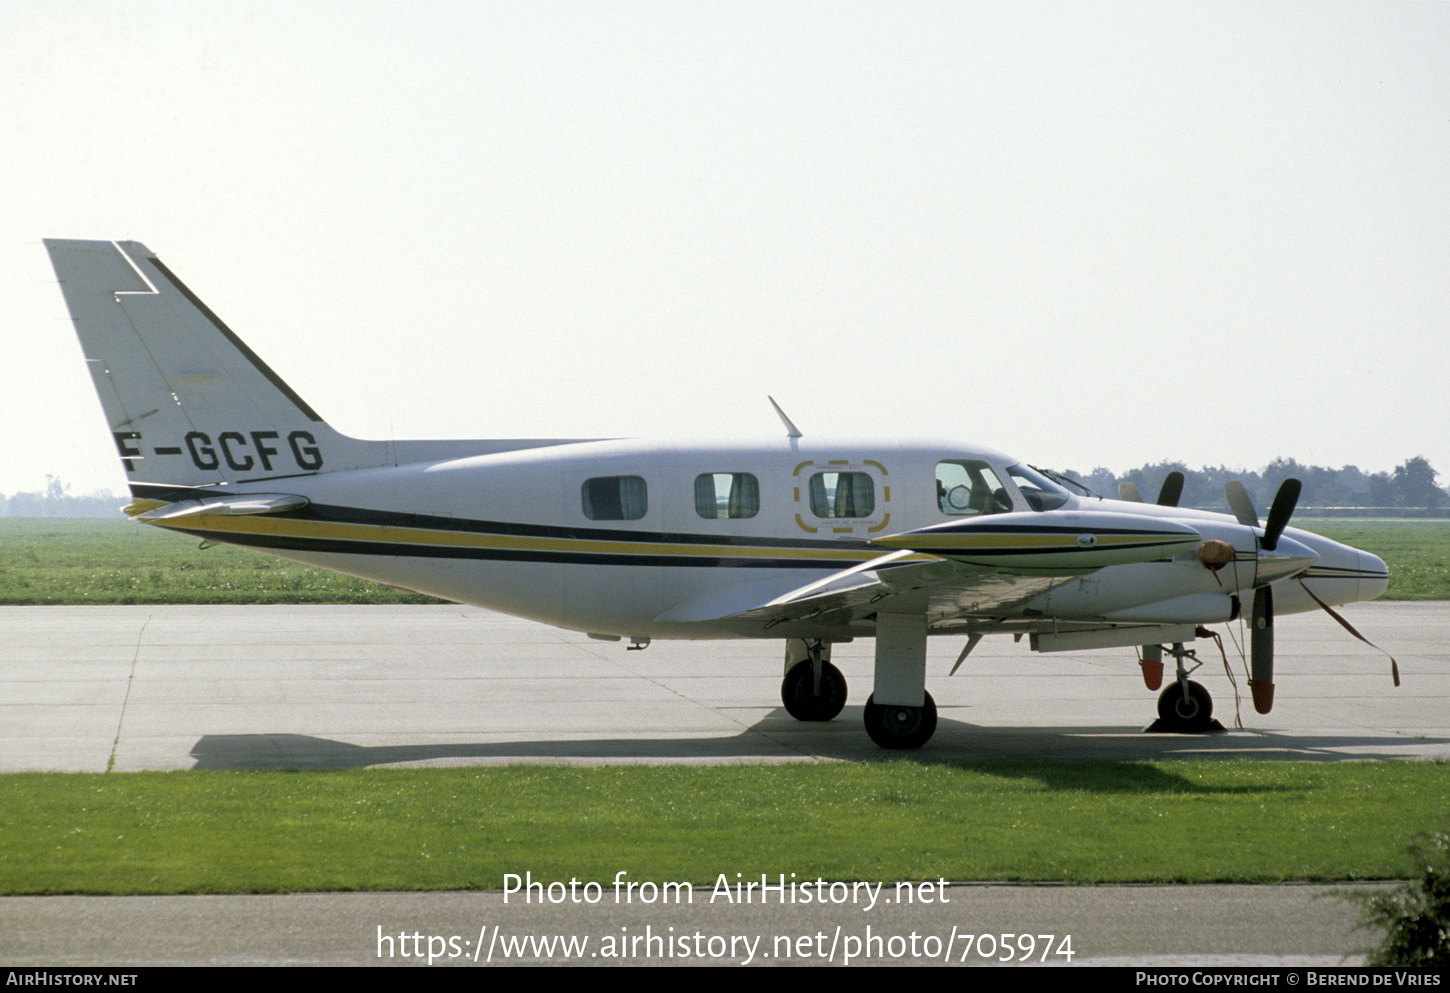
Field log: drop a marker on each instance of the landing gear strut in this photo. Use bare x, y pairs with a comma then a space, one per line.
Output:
813, 689
906, 717
1185, 706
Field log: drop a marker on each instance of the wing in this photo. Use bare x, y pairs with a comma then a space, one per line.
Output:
951, 594
962, 575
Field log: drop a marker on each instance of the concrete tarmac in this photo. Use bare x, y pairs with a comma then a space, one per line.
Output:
130, 688
91, 689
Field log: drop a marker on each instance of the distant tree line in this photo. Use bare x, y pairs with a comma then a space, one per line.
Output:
56, 501
1410, 486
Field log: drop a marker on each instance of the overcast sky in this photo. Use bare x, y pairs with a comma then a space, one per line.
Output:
1088, 234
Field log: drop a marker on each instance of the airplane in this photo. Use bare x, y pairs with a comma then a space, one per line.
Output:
808, 542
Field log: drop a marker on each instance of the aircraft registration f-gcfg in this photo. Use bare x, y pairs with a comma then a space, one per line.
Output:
808, 542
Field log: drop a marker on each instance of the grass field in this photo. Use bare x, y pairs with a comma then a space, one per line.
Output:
1416, 550
86, 561
228, 832
90, 561
246, 832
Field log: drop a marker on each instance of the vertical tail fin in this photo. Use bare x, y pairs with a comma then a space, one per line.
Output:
187, 401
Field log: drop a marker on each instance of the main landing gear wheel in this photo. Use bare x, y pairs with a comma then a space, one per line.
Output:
1193, 714
797, 692
900, 727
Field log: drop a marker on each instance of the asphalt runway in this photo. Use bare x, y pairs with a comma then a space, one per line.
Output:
130, 688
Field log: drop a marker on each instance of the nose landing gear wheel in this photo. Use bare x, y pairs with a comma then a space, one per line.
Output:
1193, 714
797, 692
896, 726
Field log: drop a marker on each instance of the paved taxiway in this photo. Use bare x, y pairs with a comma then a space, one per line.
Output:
128, 688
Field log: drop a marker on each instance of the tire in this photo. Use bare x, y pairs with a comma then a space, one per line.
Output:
802, 704
899, 727
1178, 714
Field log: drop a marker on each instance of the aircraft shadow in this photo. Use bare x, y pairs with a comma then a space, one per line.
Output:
778, 737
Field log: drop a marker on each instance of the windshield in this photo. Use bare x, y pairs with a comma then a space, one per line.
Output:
1067, 481
1040, 492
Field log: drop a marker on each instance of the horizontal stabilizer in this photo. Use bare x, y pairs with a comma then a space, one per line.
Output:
232, 505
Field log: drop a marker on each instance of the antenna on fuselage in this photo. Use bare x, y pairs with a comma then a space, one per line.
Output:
791, 431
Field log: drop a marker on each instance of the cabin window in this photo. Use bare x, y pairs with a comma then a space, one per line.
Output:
969, 486
720, 495
843, 494
615, 498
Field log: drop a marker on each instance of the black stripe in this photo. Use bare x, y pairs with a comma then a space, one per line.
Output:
1047, 529
1344, 573
978, 552
395, 549
380, 518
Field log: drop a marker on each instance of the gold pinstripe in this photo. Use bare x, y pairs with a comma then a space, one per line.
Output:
1024, 539
286, 527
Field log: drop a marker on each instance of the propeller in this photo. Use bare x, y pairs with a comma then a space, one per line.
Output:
1167, 496
1239, 502
1261, 620
1279, 513
1172, 489
1261, 650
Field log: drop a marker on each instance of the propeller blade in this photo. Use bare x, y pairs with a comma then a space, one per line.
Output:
1261, 650
1127, 491
1172, 489
1284, 502
1238, 500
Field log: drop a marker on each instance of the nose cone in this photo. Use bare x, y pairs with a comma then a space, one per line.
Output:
1374, 575
1342, 574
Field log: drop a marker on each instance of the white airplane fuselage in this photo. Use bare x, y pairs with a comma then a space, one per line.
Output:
509, 532
809, 541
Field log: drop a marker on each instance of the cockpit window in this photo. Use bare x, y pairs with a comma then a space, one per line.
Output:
1040, 492
969, 486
